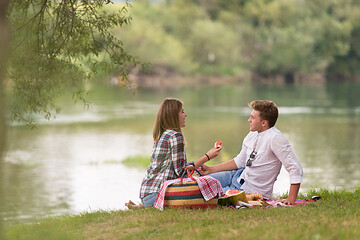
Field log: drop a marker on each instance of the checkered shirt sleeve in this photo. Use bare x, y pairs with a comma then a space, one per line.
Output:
168, 161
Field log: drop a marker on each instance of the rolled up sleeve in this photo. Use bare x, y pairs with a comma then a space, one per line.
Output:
283, 151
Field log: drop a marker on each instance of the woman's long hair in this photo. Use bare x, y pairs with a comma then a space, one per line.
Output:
167, 117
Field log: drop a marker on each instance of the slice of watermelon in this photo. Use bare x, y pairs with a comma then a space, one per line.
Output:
236, 195
218, 143
232, 192
232, 200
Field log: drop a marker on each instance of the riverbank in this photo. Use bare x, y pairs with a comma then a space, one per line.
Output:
162, 77
336, 216
167, 79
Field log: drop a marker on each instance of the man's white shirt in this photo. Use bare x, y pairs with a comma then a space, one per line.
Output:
273, 150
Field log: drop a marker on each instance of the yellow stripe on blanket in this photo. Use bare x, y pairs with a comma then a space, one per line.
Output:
192, 186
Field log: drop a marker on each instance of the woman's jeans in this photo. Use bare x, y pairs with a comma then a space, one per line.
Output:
229, 179
149, 200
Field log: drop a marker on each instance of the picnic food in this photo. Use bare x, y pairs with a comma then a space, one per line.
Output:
256, 199
254, 196
240, 194
218, 144
256, 203
232, 197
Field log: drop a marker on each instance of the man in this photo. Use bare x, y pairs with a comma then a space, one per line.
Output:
264, 150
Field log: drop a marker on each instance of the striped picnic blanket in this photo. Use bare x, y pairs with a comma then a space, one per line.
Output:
209, 188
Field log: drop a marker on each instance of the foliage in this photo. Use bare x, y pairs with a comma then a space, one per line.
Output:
346, 66
336, 216
175, 27
210, 47
154, 45
267, 37
292, 37
56, 46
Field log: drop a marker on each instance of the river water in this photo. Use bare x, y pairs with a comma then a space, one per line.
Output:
74, 163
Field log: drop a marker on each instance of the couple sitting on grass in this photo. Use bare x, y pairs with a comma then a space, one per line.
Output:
253, 170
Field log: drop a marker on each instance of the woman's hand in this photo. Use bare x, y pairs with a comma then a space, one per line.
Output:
212, 153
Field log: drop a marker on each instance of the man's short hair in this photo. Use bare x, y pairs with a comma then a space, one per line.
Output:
268, 110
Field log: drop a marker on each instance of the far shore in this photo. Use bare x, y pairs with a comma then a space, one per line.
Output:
164, 78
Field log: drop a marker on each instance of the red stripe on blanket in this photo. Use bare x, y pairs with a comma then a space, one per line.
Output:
194, 192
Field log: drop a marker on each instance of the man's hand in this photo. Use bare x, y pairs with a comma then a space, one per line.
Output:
190, 167
226, 166
287, 201
294, 190
204, 170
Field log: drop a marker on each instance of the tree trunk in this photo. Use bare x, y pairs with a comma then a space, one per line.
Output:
289, 78
4, 34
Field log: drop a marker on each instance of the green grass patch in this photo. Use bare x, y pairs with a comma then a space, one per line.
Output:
137, 161
336, 216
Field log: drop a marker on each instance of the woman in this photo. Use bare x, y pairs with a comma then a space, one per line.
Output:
168, 160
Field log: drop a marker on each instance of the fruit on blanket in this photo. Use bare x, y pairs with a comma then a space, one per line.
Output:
218, 144
232, 192
232, 197
237, 194
227, 201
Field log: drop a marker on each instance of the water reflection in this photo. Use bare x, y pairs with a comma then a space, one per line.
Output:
55, 171
73, 163
104, 186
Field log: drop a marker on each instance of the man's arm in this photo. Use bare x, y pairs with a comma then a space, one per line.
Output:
282, 149
293, 193
226, 166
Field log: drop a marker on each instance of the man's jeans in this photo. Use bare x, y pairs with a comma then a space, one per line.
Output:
229, 179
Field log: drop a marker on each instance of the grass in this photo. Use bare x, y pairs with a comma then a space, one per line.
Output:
141, 161
336, 216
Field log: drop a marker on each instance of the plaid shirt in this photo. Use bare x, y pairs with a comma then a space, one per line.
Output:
168, 161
